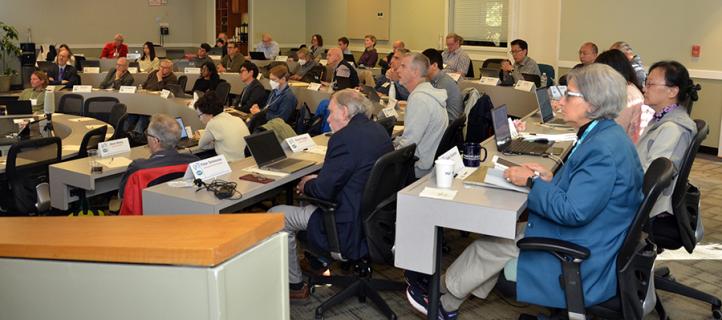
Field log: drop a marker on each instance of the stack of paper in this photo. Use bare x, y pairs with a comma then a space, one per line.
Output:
492, 177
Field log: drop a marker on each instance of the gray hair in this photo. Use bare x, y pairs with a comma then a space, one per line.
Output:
354, 101
419, 62
166, 129
403, 51
603, 88
622, 46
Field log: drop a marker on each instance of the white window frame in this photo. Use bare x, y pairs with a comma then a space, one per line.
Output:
513, 27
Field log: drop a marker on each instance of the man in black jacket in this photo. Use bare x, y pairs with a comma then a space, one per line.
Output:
62, 73
253, 93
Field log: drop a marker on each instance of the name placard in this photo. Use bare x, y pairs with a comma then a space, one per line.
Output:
83, 88
208, 168
113, 147
165, 94
489, 81
282, 58
128, 89
190, 70
390, 111
555, 93
214, 56
34, 102
524, 85
133, 70
91, 70
300, 142
562, 89
313, 86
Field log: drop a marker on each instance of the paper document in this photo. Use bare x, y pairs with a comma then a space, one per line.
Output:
255, 169
320, 150
114, 162
81, 119
494, 178
437, 193
73, 147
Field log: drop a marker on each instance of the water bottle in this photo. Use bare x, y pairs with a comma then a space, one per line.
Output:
543, 80
392, 91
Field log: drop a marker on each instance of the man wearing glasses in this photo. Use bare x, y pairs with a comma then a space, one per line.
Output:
118, 77
522, 63
455, 59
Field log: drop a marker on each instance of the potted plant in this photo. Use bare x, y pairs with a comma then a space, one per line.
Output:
8, 48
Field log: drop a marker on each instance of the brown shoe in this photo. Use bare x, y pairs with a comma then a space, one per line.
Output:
300, 294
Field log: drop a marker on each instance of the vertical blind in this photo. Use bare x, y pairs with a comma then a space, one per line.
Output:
480, 20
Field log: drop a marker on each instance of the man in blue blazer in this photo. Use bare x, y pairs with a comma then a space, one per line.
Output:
352, 151
62, 73
591, 201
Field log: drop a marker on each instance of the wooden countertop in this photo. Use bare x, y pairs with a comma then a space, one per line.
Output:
197, 240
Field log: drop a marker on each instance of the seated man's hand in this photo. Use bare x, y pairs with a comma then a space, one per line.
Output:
518, 175
506, 66
302, 184
519, 125
255, 109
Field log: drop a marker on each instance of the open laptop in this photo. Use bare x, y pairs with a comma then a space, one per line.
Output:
185, 140
504, 142
257, 55
270, 156
18, 107
545, 109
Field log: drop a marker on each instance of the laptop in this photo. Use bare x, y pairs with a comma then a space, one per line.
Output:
4, 100
504, 142
185, 140
545, 109
18, 107
257, 55
270, 156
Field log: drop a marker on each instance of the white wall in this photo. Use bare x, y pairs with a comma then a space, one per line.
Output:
285, 20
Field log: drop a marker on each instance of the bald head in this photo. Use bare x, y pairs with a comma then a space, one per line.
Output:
267, 37
588, 53
334, 56
398, 44
118, 39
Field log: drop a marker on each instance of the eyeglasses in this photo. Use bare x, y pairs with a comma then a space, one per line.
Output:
515, 51
570, 94
148, 135
647, 84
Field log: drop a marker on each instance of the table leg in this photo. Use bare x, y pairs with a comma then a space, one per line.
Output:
434, 285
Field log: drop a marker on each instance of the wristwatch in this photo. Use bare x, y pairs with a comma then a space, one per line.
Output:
530, 180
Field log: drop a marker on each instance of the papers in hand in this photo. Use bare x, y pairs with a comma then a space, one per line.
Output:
494, 178
437, 193
115, 162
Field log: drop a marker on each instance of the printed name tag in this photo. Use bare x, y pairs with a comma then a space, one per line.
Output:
165, 94
555, 92
300, 142
128, 89
91, 70
562, 89
208, 168
190, 70
390, 111
281, 58
132, 70
82, 89
524, 85
313, 86
489, 81
34, 102
214, 57
113, 147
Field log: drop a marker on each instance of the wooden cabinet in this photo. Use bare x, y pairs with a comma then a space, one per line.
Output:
229, 16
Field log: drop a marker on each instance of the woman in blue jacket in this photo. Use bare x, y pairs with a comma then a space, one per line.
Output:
281, 102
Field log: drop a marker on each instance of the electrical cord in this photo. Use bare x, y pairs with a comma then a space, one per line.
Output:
221, 189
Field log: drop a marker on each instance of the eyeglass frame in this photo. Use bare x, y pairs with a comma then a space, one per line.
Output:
570, 93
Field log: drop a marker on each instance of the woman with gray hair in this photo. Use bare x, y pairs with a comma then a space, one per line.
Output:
590, 201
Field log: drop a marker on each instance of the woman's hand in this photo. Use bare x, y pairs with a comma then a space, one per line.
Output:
544, 173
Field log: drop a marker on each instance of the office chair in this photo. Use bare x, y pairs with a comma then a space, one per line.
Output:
79, 60
100, 108
90, 141
378, 212
257, 120
684, 228
222, 90
493, 63
549, 70
388, 123
183, 82
635, 293
120, 130
453, 136
71, 103
27, 181
132, 202
470, 71
90, 63
134, 64
533, 78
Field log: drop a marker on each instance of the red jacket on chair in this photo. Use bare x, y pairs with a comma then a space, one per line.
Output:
133, 194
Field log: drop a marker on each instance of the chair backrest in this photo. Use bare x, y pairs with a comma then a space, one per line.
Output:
635, 259
91, 139
133, 190
222, 90
687, 219
183, 82
26, 168
120, 128
79, 63
470, 71
90, 63
100, 108
378, 203
175, 53
71, 103
116, 114
134, 64
493, 63
453, 136
549, 70
533, 78
388, 123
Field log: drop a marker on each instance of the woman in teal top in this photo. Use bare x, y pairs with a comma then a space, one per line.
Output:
36, 92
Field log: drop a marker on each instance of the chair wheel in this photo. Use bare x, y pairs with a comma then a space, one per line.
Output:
717, 314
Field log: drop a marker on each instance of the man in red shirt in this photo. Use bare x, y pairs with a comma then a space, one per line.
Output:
115, 49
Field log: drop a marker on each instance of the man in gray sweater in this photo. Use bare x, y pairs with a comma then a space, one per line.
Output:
425, 120
440, 80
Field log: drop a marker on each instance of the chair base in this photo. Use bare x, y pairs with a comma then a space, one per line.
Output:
360, 286
664, 281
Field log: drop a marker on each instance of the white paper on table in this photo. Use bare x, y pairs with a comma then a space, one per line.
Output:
465, 172
313, 86
255, 169
115, 162
180, 183
524, 85
317, 149
73, 147
437, 193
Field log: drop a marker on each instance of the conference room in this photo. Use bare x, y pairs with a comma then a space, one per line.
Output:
318, 159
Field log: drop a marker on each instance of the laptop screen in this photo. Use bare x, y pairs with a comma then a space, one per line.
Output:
265, 147
184, 134
501, 125
545, 106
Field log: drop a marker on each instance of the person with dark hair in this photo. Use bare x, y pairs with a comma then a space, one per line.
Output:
209, 78
221, 43
148, 61
253, 93
223, 132
668, 90
233, 60
316, 51
281, 102
629, 118
343, 44
440, 80
369, 56
202, 56
522, 62
455, 59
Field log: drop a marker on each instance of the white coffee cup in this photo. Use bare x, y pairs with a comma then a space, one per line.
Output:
444, 173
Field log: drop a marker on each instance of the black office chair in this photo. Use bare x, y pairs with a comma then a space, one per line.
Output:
101, 108
684, 228
183, 82
470, 71
90, 63
493, 63
257, 120
27, 179
90, 141
222, 90
453, 136
121, 128
134, 64
533, 78
549, 70
378, 211
79, 60
71, 103
635, 293
388, 123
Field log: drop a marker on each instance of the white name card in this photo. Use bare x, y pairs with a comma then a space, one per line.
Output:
282, 58
390, 111
133, 70
524, 85
165, 94
208, 168
51, 88
83, 89
323, 62
562, 89
113, 147
259, 76
214, 56
313, 86
455, 76
300, 142
190, 70
555, 92
34, 102
91, 70
489, 81
128, 89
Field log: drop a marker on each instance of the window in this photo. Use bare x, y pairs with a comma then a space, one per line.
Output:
481, 23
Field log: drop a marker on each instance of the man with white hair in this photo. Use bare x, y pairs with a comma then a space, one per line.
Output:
426, 119
269, 47
118, 77
115, 49
342, 178
161, 78
344, 75
634, 59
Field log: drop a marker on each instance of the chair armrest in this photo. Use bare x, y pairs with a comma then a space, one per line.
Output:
557, 247
325, 205
328, 209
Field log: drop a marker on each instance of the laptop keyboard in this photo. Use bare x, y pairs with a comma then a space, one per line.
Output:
187, 143
285, 163
526, 147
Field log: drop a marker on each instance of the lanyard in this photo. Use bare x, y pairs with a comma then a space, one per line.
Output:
584, 135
